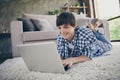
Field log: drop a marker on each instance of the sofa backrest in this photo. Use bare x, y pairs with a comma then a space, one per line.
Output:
52, 19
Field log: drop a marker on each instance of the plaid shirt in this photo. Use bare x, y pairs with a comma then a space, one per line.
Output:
83, 43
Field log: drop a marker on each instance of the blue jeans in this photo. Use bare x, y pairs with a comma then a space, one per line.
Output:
101, 37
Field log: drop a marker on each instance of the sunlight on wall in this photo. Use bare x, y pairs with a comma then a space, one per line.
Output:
108, 8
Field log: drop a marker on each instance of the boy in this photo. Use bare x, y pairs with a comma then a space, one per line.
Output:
77, 44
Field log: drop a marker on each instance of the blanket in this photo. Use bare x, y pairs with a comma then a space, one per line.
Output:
100, 68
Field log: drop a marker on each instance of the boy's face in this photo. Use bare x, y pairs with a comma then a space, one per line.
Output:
67, 31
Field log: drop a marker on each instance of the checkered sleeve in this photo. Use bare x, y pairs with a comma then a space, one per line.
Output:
62, 47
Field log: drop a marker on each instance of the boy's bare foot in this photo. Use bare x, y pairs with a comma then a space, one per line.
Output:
92, 27
98, 23
95, 25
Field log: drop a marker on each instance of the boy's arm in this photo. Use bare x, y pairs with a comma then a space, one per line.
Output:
86, 56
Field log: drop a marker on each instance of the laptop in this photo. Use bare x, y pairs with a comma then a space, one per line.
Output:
42, 57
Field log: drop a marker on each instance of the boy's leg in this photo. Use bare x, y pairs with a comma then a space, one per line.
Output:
101, 37
98, 35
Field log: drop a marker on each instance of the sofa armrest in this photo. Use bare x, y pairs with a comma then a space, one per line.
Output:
20, 37
16, 38
106, 29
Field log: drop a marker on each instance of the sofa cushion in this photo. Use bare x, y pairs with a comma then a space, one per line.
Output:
27, 24
42, 24
51, 18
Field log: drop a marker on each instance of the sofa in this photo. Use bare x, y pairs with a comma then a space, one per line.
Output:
18, 36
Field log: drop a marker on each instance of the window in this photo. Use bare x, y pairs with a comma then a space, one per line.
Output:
110, 10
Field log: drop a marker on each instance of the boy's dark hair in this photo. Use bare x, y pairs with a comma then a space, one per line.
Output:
65, 18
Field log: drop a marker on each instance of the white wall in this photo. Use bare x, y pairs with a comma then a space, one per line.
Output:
108, 8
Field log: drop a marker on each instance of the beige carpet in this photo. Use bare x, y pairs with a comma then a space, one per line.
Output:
101, 68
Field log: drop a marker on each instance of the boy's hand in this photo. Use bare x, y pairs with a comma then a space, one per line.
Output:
68, 62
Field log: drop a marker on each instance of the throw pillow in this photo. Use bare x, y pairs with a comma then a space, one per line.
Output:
42, 24
27, 24
41, 16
